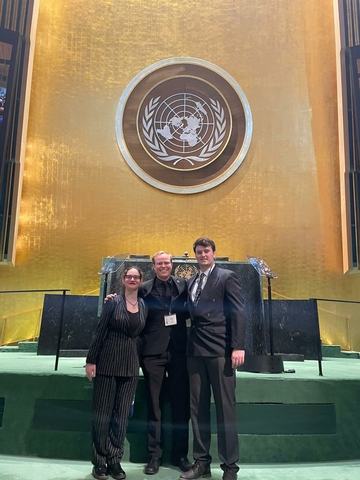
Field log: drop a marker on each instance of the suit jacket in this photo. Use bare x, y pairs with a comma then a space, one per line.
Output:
156, 336
114, 349
218, 321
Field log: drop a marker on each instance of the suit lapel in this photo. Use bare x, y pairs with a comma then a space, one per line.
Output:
209, 287
191, 282
207, 291
146, 288
177, 289
211, 282
190, 287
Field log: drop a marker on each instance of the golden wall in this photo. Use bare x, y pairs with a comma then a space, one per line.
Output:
81, 202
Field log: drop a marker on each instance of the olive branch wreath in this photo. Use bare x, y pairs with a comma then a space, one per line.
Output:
160, 151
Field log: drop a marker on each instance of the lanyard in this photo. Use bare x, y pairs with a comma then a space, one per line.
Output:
162, 298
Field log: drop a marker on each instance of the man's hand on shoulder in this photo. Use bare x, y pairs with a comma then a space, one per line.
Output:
237, 358
109, 297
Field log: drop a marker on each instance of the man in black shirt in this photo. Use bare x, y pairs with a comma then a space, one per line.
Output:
164, 352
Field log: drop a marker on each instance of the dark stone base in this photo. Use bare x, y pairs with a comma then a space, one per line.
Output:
73, 353
291, 357
79, 323
262, 364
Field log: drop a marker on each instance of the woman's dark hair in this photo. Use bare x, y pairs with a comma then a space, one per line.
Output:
132, 268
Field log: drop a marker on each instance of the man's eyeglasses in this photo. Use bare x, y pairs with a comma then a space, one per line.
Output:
135, 277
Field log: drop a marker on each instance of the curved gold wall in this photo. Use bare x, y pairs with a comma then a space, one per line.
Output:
81, 201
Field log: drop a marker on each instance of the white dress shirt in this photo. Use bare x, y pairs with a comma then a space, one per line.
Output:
195, 286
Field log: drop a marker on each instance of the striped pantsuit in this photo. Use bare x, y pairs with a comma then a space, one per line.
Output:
112, 400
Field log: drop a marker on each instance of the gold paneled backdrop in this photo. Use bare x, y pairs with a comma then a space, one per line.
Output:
81, 202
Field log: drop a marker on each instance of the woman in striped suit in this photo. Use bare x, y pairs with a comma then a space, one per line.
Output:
113, 363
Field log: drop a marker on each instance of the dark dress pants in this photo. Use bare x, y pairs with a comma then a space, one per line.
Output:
206, 373
155, 368
112, 400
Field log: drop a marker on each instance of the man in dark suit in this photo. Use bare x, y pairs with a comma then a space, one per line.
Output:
215, 349
164, 352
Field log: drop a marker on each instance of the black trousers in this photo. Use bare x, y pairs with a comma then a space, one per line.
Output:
206, 373
111, 406
155, 368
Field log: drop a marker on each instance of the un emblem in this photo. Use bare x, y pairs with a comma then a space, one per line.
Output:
185, 131
185, 270
183, 125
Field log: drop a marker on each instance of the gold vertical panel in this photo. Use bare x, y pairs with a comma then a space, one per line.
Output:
21, 326
81, 201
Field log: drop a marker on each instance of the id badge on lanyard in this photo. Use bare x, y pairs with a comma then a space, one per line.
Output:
170, 320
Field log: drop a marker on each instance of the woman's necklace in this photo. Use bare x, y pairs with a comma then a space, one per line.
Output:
133, 304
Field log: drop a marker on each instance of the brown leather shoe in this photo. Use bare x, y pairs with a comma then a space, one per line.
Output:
183, 463
229, 473
153, 466
197, 471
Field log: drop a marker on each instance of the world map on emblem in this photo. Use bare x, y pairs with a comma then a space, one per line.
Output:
184, 130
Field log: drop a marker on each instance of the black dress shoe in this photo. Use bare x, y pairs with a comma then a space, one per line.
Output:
197, 471
153, 466
100, 472
229, 473
183, 463
116, 471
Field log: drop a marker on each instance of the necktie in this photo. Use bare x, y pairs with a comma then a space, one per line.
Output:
198, 290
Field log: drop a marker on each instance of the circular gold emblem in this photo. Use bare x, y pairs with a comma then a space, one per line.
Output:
183, 125
185, 270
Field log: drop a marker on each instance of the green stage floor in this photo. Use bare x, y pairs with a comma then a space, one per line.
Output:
286, 420
332, 368
24, 468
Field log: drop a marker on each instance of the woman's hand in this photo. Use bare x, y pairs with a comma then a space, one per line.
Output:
90, 371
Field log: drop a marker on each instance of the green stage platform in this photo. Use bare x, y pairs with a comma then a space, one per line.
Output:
27, 468
287, 417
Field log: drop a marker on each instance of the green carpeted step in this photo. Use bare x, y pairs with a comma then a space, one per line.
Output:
9, 349
349, 354
334, 351
28, 346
